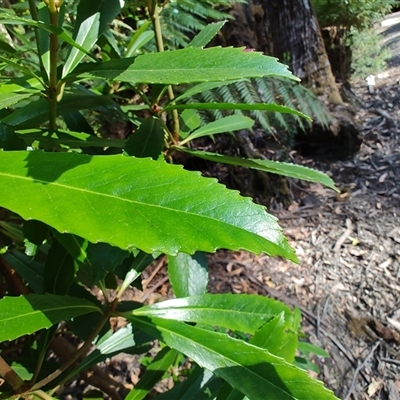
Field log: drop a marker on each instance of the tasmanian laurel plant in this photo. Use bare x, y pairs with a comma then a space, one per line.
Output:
83, 212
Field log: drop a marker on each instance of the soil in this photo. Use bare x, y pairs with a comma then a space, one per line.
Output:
347, 282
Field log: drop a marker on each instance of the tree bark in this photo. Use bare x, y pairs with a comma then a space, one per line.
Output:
288, 30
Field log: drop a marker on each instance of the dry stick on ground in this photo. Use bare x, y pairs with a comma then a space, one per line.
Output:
360, 367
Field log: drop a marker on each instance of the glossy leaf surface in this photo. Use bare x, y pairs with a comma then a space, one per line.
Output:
188, 65
133, 202
248, 368
206, 35
273, 167
24, 315
188, 274
241, 312
222, 125
238, 106
86, 37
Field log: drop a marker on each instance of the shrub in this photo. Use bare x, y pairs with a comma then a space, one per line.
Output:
80, 210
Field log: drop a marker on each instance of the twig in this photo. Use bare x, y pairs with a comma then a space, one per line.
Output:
321, 317
148, 292
146, 282
9, 375
345, 235
391, 361
360, 367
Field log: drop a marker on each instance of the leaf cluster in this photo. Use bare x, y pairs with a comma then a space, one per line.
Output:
83, 212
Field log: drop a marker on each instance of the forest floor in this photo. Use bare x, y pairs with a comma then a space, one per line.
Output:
347, 283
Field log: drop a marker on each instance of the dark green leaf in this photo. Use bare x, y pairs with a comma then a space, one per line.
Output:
6, 48
59, 270
66, 138
30, 270
134, 203
24, 315
37, 112
154, 373
248, 368
188, 274
238, 106
241, 312
273, 167
147, 141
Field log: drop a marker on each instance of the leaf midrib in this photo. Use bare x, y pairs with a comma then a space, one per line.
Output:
49, 310
201, 344
101, 194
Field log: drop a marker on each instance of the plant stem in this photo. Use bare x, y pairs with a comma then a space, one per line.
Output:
52, 91
154, 13
80, 353
9, 375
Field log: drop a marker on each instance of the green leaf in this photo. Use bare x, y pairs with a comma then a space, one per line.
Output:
274, 337
139, 39
187, 66
190, 120
222, 125
101, 259
15, 90
134, 203
86, 37
115, 343
30, 270
200, 385
24, 315
307, 348
248, 368
108, 10
75, 245
241, 312
18, 67
188, 274
64, 138
273, 167
6, 48
238, 106
154, 373
55, 30
199, 88
59, 270
9, 140
37, 112
147, 141
206, 34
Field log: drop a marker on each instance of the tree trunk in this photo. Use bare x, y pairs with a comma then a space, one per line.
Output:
288, 30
